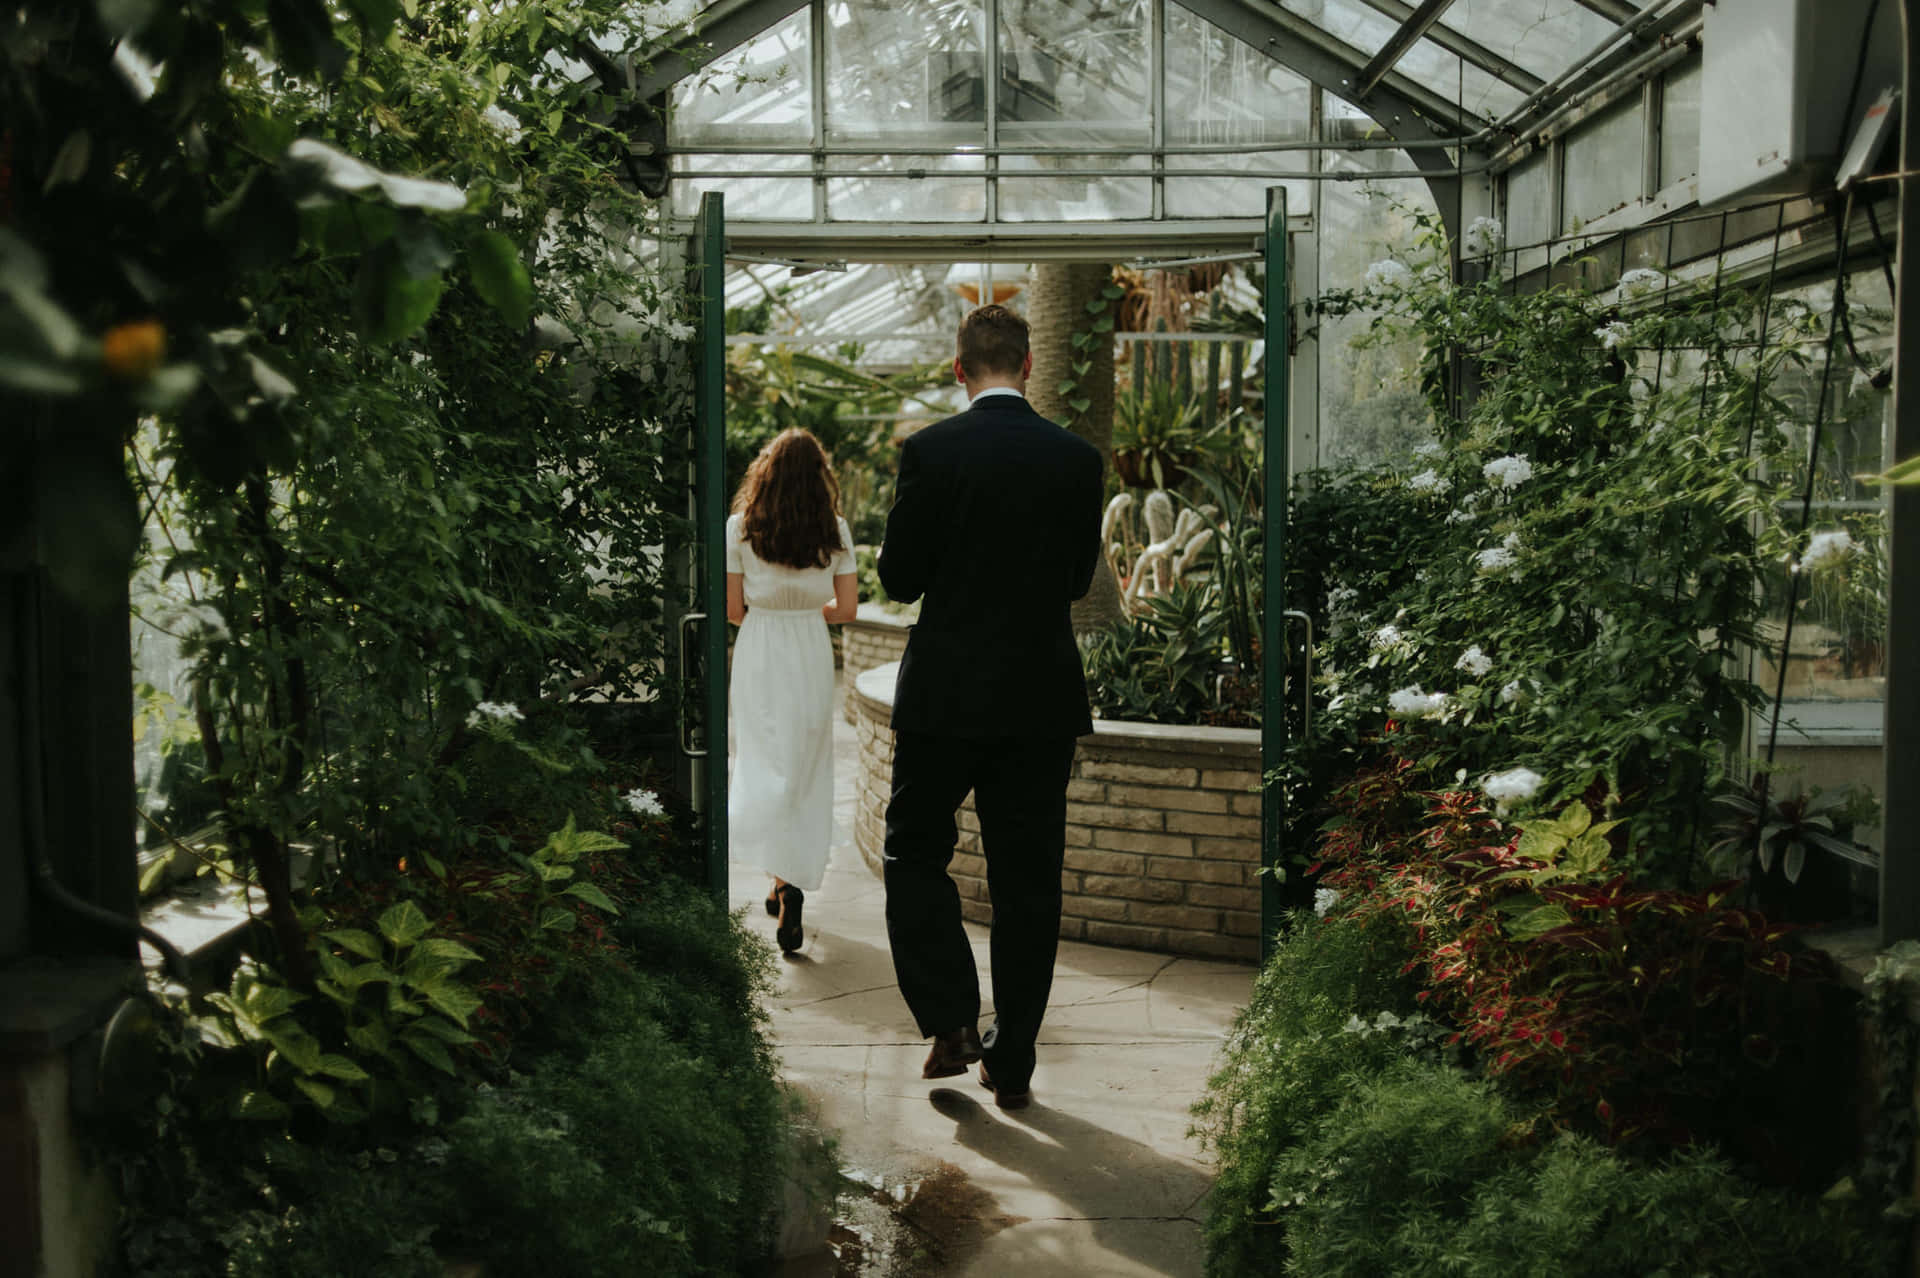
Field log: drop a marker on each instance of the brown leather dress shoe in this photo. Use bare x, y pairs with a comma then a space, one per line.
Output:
1007, 1099
789, 935
952, 1053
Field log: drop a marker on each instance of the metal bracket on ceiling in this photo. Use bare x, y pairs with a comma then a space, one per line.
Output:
798, 268
1243, 255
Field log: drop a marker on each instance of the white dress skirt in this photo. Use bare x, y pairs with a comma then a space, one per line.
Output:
780, 693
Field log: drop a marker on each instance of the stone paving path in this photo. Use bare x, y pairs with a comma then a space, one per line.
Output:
1098, 1176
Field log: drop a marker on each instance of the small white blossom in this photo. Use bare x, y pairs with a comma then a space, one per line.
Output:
1501, 557
1640, 281
1429, 481
1827, 549
1385, 637
1511, 786
497, 711
1340, 597
1460, 517
1509, 472
1387, 273
1613, 336
1484, 235
503, 120
1474, 661
1519, 692
1323, 899
644, 803
1412, 703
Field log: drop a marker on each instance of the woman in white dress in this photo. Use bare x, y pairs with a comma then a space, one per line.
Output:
790, 572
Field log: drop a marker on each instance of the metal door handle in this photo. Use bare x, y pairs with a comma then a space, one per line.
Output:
686, 675
1306, 684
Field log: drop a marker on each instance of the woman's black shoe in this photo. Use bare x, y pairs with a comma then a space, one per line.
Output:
788, 934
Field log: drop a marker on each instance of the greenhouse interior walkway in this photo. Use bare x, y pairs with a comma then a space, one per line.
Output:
1098, 1176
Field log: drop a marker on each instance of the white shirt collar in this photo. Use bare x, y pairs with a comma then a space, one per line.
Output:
994, 390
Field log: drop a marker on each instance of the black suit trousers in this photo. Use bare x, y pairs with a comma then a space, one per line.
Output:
1019, 787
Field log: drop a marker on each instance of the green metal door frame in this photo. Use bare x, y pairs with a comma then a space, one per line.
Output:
708, 687
1274, 613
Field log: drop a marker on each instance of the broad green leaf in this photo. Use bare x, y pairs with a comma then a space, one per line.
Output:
445, 1031
400, 1005
317, 1092
334, 1065
372, 1037
1538, 921
593, 896
301, 1049
403, 924
266, 1002
260, 1105
500, 277
389, 303
557, 917
454, 1000
430, 1050
365, 944
442, 947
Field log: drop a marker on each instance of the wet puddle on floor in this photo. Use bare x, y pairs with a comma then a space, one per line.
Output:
911, 1228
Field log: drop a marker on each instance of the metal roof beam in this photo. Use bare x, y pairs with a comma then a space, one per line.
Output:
721, 28
1400, 42
1402, 106
1475, 53
1618, 10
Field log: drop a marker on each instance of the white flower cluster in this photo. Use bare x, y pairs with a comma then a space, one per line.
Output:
1429, 481
1430, 448
644, 803
1511, 786
1387, 273
1412, 703
1613, 336
1827, 549
1385, 637
1640, 281
1323, 900
1509, 472
1463, 516
1484, 235
1474, 661
495, 711
1502, 557
1519, 692
1340, 598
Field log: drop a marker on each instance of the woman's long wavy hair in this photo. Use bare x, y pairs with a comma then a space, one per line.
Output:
789, 503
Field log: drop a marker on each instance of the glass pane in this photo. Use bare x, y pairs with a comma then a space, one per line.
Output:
1371, 409
1427, 63
1074, 73
1544, 37
1065, 196
1603, 165
754, 198
927, 199
910, 71
1530, 201
757, 94
1224, 91
1680, 126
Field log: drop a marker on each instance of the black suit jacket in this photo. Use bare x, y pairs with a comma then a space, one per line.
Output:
996, 525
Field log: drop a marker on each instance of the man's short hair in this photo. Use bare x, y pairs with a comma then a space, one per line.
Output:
992, 342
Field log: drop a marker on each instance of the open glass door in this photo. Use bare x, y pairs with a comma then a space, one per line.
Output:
703, 627
1275, 732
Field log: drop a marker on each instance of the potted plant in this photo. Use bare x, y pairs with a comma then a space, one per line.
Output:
1155, 436
1801, 849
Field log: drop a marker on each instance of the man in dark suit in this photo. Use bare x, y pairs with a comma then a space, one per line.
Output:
996, 525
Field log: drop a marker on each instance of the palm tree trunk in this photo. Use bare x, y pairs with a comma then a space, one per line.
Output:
1056, 310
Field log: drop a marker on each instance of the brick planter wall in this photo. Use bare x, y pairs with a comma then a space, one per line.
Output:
876, 639
1163, 831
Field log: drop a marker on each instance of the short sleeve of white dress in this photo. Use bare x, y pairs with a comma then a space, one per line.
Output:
843, 564
733, 545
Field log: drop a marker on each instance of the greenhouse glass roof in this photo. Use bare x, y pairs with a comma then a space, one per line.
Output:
978, 121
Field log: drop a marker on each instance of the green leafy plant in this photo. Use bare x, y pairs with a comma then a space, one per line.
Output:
1786, 828
1156, 435
1163, 664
